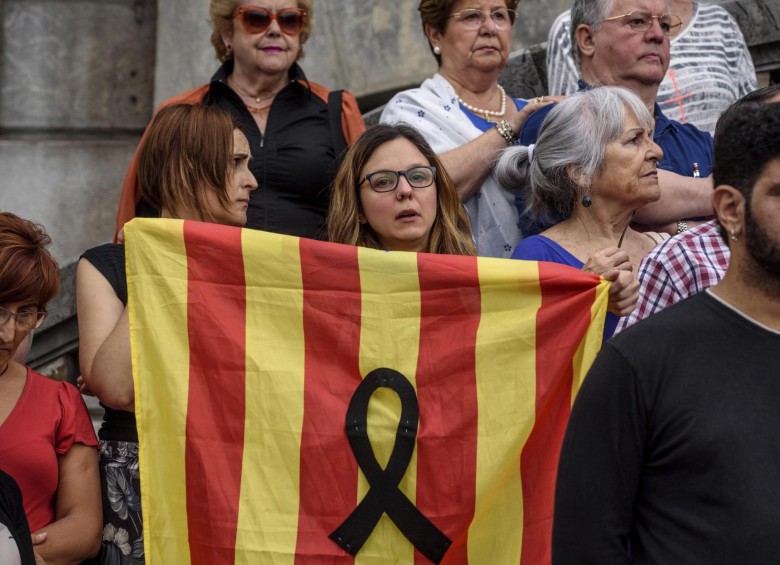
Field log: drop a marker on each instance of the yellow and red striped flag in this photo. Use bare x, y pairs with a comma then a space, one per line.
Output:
248, 349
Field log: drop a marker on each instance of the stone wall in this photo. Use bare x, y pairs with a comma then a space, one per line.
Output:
76, 87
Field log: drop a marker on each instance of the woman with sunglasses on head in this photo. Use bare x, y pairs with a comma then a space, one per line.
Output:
296, 131
465, 114
393, 193
193, 164
47, 443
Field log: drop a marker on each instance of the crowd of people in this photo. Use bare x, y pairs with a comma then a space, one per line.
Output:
671, 452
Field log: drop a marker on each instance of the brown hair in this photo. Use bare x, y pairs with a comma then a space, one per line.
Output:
451, 230
221, 12
28, 272
436, 14
186, 152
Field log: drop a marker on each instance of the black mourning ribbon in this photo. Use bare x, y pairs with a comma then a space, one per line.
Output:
384, 496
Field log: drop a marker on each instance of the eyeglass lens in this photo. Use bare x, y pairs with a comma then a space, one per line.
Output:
257, 20
385, 181
25, 320
642, 21
473, 18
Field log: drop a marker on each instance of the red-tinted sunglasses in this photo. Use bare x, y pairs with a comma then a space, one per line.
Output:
256, 20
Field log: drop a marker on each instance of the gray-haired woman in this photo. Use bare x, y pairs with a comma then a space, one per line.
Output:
595, 164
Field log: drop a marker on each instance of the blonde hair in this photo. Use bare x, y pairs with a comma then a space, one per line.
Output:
221, 13
185, 154
451, 230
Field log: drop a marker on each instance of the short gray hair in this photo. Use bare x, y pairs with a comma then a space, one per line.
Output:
570, 150
588, 12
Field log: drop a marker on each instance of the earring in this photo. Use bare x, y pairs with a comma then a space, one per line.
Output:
436, 50
228, 48
586, 200
734, 235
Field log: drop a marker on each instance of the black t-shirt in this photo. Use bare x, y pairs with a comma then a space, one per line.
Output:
672, 453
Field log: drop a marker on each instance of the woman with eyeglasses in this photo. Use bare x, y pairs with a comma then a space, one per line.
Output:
464, 113
393, 193
193, 164
297, 130
47, 443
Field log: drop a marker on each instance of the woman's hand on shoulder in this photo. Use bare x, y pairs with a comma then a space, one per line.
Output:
608, 259
533, 105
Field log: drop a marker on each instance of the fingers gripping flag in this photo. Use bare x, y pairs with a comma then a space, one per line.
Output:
249, 351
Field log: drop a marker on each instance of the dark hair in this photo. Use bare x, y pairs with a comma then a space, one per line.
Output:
746, 140
451, 230
28, 272
757, 96
186, 152
436, 14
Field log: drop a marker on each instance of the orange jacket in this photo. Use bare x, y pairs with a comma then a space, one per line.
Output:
352, 125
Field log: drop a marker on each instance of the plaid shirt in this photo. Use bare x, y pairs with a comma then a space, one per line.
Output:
678, 268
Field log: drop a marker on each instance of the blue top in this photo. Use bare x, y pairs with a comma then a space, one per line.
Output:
683, 145
481, 123
541, 248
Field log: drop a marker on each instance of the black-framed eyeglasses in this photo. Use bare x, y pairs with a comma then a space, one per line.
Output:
386, 181
255, 19
24, 320
641, 21
503, 18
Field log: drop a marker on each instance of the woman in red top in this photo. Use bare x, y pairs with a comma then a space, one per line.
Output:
47, 443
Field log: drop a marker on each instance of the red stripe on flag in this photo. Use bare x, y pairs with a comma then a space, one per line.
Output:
331, 324
216, 323
447, 394
558, 335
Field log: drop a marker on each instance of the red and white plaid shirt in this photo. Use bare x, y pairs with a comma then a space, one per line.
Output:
678, 268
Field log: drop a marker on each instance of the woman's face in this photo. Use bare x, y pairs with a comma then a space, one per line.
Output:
629, 175
240, 183
269, 52
11, 337
484, 48
402, 218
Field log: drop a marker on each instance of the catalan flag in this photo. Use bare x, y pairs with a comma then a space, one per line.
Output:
252, 356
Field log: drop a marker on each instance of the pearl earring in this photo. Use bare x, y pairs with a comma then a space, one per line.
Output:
734, 235
436, 50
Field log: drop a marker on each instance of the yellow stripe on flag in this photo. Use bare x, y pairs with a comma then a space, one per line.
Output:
506, 385
591, 342
389, 337
157, 293
268, 508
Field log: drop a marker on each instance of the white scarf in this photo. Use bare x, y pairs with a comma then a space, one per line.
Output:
434, 111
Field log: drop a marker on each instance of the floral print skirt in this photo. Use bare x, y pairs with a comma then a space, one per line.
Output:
121, 493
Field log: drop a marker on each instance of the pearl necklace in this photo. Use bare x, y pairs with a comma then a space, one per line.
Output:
486, 113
